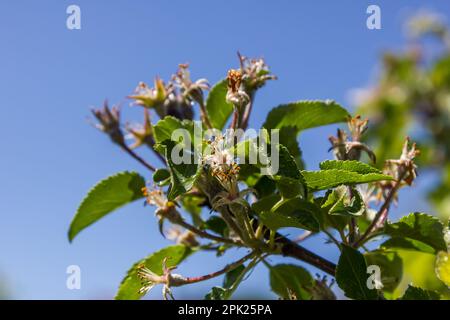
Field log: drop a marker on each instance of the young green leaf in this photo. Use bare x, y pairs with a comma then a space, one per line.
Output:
407, 244
291, 282
129, 288
295, 213
183, 175
219, 110
105, 197
233, 275
305, 114
327, 179
161, 176
348, 165
351, 275
217, 293
415, 293
164, 128
420, 227
340, 203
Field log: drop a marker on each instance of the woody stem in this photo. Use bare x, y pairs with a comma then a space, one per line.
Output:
226, 269
205, 234
137, 157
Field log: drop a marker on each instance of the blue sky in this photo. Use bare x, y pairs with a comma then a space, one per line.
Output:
50, 76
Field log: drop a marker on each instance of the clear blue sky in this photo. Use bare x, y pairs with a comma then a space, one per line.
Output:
50, 76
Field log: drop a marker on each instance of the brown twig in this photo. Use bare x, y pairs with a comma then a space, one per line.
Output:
205, 234
137, 157
226, 269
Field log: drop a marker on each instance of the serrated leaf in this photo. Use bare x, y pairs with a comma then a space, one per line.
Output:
129, 288
231, 276
442, 267
105, 197
183, 175
265, 203
288, 138
164, 128
339, 202
391, 267
348, 165
351, 275
217, 225
217, 293
407, 244
161, 175
219, 110
305, 114
420, 227
291, 281
281, 167
327, 179
414, 293
294, 213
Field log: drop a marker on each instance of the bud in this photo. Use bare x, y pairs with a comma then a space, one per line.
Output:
404, 169
109, 122
191, 91
255, 73
345, 149
235, 94
150, 97
142, 134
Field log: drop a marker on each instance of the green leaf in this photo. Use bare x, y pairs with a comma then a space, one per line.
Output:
285, 172
288, 138
391, 267
407, 244
294, 213
230, 282
289, 180
349, 165
183, 175
340, 203
264, 186
420, 227
105, 197
219, 110
305, 114
351, 275
265, 203
129, 288
233, 275
327, 179
193, 205
217, 293
414, 293
161, 176
217, 225
291, 281
163, 129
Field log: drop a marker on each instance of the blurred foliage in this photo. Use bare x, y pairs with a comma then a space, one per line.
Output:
412, 97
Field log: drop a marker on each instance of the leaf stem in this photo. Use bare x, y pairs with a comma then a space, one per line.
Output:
247, 112
204, 115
